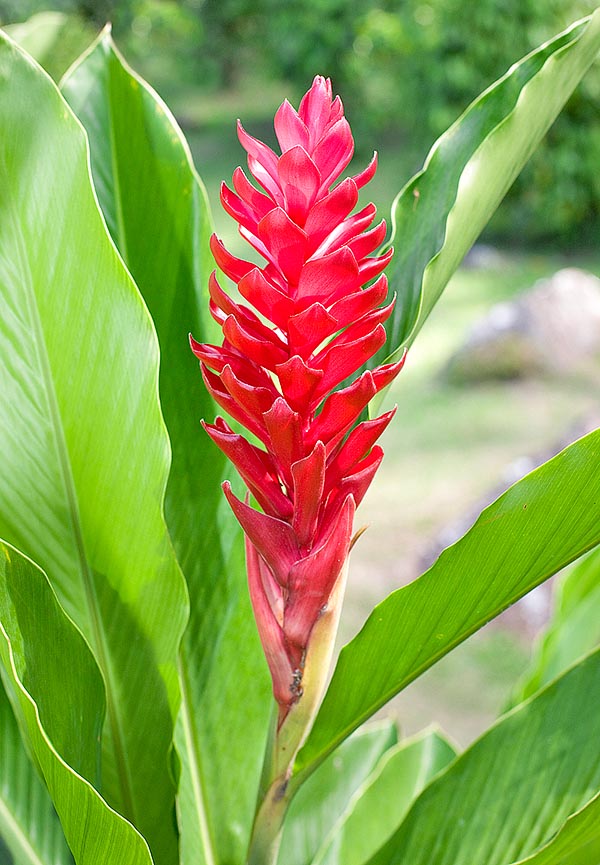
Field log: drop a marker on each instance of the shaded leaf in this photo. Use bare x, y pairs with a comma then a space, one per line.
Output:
86, 455
321, 801
157, 212
543, 522
510, 792
63, 720
380, 805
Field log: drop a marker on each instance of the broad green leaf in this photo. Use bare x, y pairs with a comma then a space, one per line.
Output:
380, 805
538, 526
85, 451
57, 691
321, 801
507, 795
156, 209
442, 210
576, 843
574, 629
29, 826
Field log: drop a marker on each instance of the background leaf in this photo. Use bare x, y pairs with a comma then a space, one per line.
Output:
538, 526
512, 790
442, 210
52, 38
380, 805
85, 453
157, 212
29, 826
319, 803
574, 629
58, 694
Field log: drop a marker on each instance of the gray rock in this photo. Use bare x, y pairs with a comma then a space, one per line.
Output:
550, 328
482, 256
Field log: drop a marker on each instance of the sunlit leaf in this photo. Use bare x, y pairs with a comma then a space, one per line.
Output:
85, 451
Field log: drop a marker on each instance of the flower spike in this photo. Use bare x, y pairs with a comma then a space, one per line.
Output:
282, 373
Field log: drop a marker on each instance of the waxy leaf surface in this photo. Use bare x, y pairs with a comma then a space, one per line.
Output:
515, 788
157, 212
443, 209
58, 696
85, 451
538, 526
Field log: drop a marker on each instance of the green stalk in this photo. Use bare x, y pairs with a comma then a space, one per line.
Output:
268, 826
284, 743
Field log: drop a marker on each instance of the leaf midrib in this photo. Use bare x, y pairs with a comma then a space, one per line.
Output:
100, 650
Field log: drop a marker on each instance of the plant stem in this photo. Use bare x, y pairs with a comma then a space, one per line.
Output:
278, 785
266, 835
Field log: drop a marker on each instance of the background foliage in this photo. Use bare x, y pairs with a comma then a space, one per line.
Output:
407, 69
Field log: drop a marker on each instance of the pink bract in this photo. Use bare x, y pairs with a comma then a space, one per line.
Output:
281, 379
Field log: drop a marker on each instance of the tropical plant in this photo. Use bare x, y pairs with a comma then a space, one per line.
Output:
137, 719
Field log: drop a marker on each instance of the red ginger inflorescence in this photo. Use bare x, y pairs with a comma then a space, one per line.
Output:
279, 380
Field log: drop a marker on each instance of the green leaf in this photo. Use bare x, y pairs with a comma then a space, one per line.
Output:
54, 39
442, 210
508, 794
156, 209
538, 526
576, 843
380, 805
85, 451
29, 826
58, 694
321, 801
574, 629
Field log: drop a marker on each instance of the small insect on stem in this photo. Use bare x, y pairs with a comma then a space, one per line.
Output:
296, 685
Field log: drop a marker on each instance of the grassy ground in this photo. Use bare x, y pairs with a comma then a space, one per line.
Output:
448, 447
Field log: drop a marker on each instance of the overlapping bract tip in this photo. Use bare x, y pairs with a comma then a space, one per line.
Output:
307, 326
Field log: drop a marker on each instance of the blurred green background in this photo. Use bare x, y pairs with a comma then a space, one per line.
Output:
405, 69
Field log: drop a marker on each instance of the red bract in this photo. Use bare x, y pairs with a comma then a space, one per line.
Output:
279, 379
